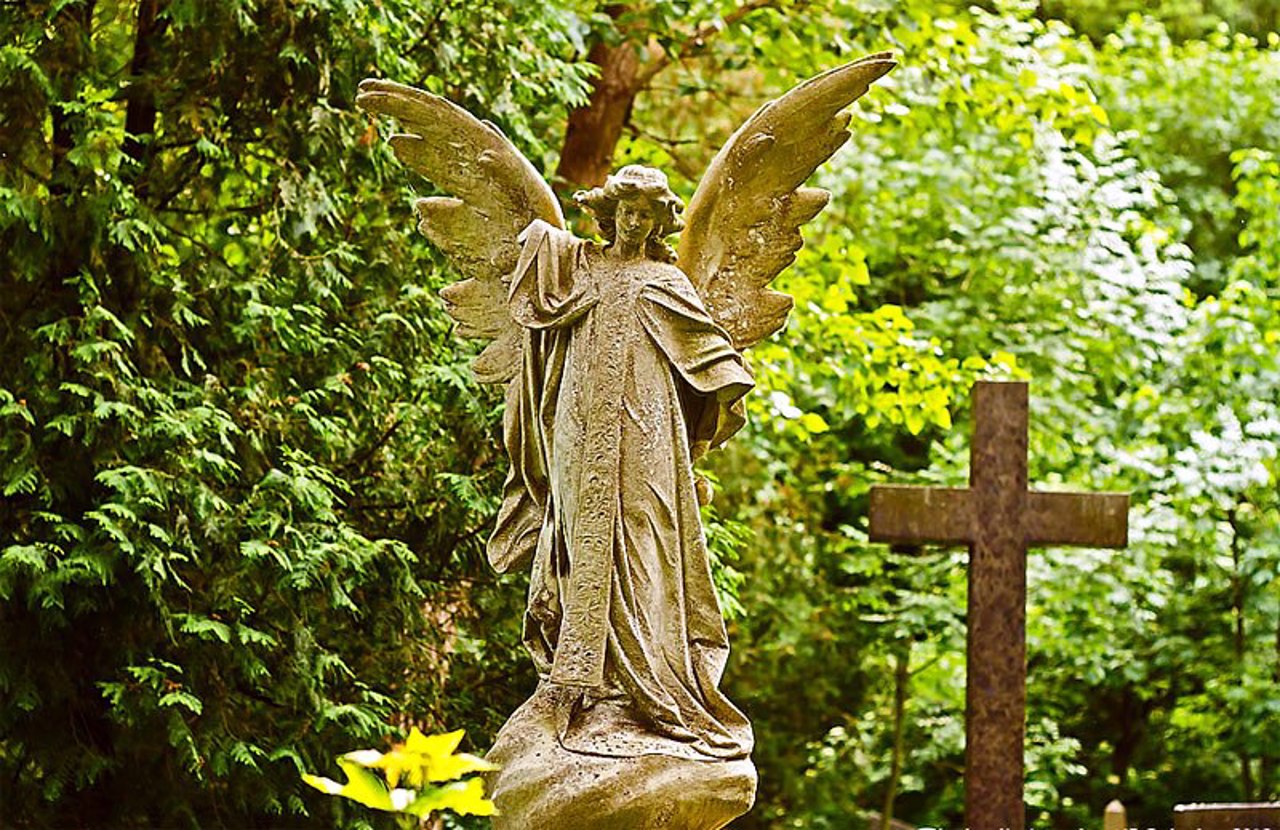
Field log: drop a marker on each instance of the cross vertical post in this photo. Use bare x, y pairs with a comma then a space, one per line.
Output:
995, 693
999, 518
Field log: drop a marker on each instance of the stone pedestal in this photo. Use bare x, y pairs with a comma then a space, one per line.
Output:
541, 784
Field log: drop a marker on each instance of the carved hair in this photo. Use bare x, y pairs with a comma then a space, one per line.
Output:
632, 182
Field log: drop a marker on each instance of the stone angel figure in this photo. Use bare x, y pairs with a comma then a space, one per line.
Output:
623, 363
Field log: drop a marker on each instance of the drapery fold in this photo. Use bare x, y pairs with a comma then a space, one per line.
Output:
625, 374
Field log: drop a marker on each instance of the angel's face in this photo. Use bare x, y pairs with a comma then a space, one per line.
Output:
634, 221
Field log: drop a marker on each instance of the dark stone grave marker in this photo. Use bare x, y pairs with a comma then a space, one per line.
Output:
999, 518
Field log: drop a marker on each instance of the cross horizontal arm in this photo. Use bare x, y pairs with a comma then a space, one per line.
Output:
916, 515
1093, 520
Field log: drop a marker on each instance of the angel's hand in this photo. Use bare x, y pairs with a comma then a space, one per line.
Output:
702, 486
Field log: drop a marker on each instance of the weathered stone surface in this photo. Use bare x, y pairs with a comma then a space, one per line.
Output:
999, 518
623, 363
542, 784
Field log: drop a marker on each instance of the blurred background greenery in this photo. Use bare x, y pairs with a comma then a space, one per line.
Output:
247, 477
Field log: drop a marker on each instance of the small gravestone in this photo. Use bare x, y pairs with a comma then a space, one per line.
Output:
1113, 818
1227, 816
999, 518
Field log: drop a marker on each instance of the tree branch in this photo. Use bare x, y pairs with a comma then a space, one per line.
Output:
594, 130
663, 58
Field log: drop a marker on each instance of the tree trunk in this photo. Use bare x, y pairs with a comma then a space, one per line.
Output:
1268, 783
901, 679
1239, 641
586, 157
140, 113
138, 146
594, 130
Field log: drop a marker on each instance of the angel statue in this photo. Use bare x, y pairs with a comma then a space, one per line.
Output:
623, 364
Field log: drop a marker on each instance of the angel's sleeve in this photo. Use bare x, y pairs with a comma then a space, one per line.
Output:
702, 356
549, 286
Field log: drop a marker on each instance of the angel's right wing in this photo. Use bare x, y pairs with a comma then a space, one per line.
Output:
495, 194
743, 223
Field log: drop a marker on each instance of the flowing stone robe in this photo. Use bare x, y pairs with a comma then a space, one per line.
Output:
624, 371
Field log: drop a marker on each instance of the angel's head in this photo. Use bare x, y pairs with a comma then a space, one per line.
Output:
650, 208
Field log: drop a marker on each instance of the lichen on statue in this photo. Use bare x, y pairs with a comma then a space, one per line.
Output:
624, 371
623, 363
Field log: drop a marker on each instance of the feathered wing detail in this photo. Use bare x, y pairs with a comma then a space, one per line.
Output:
743, 223
496, 193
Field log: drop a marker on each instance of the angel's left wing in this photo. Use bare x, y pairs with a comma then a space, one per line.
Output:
743, 223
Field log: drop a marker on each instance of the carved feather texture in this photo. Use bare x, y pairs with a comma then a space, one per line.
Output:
743, 223
495, 193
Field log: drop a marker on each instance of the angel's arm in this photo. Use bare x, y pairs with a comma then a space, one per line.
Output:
743, 223
495, 193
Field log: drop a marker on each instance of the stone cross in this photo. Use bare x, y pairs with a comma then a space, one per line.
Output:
999, 518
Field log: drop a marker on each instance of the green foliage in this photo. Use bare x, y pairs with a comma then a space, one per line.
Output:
1016, 199
246, 473
1189, 106
425, 763
1186, 19
247, 476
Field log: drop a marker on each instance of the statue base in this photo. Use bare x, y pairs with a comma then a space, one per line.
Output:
541, 784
